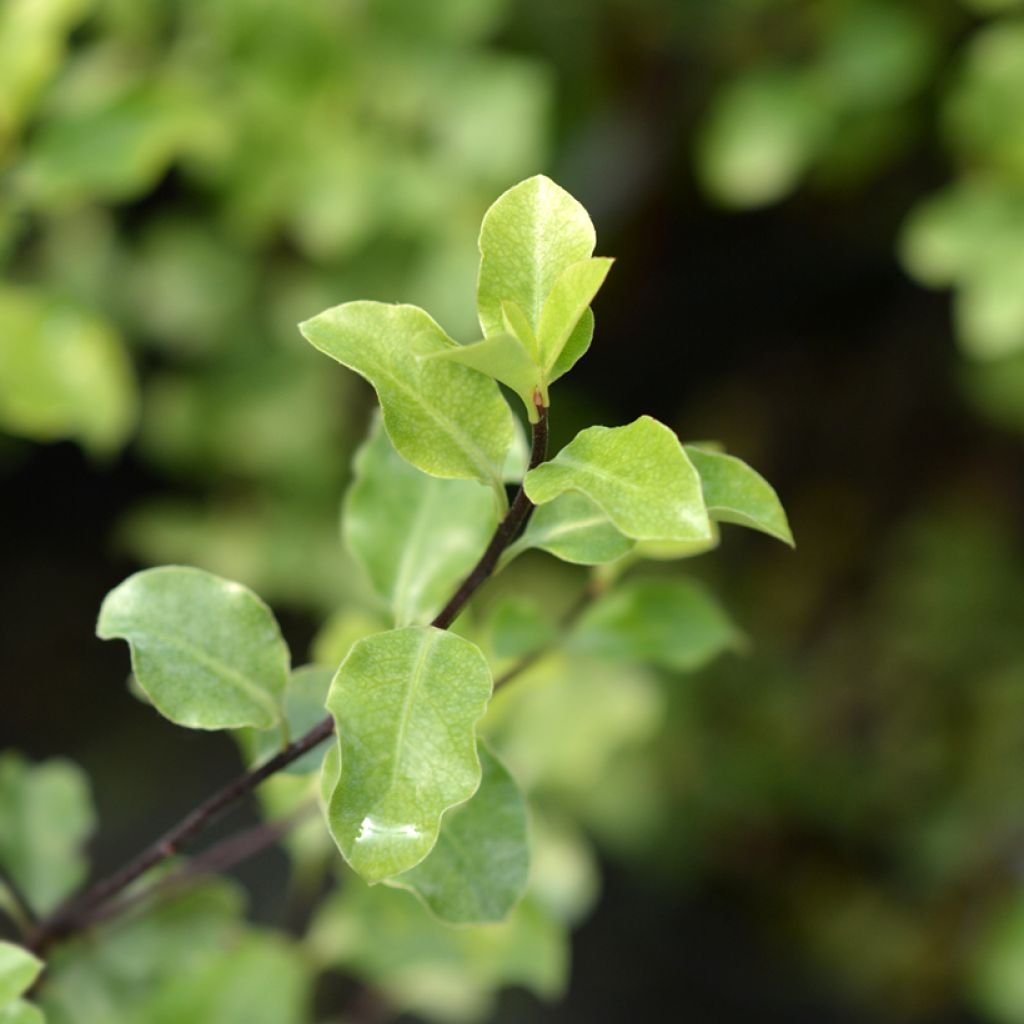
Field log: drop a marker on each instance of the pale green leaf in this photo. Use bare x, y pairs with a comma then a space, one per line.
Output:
665, 551
63, 373
428, 968
304, 706
18, 969
575, 348
516, 323
569, 299
46, 815
503, 358
207, 652
519, 627
478, 870
446, 419
530, 235
638, 474
20, 1012
564, 875
735, 493
406, 705
673, 623
574, 529
417, 536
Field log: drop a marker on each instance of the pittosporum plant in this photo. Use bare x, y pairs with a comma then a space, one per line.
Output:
402, 745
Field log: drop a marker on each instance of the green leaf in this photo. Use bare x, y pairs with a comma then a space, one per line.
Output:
574, 529
638, 474
64, 373
516, 323
446, 419
336, 636
111, 975
478, 870
529, 236
207, 652
417, 536
575, 348
425, 967
569, 299
304, 699
519, 627
735, 493
18, 969
503, 358
20, 1012
406, 705
673, 623
263, 979
46, 815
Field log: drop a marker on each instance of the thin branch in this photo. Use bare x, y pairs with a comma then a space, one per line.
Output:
507, 531
585, 598
24, 914
81, 910
219, 857
77, 913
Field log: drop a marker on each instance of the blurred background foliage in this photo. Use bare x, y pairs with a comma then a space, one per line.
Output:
824, 825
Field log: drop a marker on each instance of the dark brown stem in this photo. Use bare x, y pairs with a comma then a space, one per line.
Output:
77, 913
219, 857
82, 910
507, 531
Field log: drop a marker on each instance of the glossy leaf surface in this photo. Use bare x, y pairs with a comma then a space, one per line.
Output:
446, 419
46, 815
406, 705
207, 652
529, 236
573, 528
416, 535
478, 870
674, 623
18, 969
638, 474
735, 493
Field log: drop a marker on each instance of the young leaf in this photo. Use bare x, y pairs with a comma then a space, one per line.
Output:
416, 536
638, 474
735, 493
674, 623
531, 233
504, 358
18, 969
304, 700
575, 348
569, 299
478, 870
574, 529
446, 419
46, 814
516, 323
406, 704
207, 652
